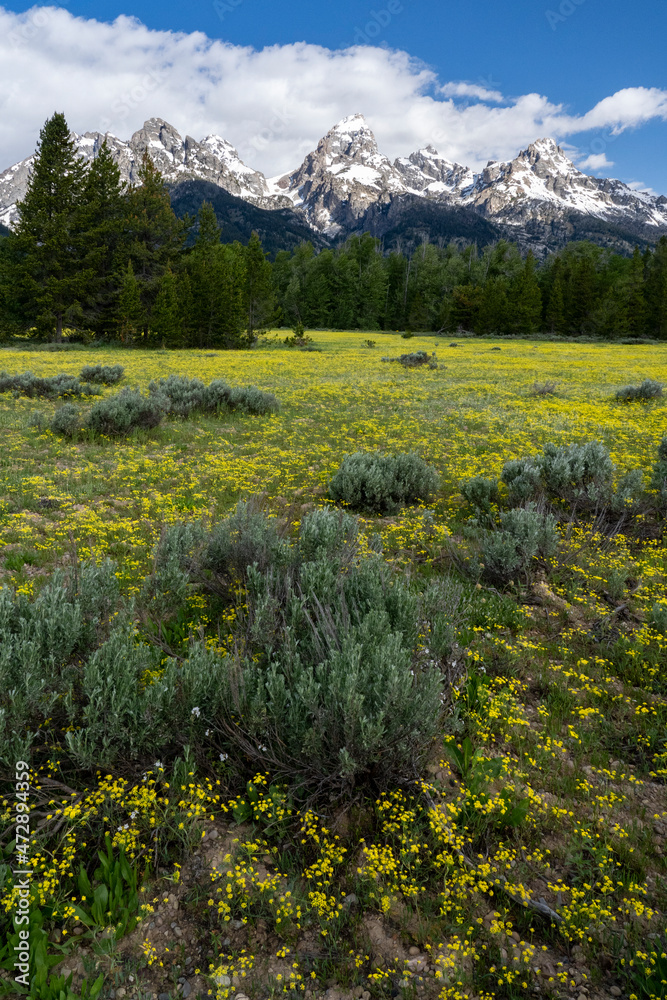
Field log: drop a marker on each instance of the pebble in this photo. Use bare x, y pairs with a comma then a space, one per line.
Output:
582, 996
163, 996
615, 991
120, 992
414, 950
187, 989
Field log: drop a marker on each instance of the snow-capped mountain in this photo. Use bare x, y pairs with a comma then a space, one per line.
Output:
213, 159
346, 178
542, 181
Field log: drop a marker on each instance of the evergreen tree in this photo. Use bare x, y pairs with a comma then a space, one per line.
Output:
555, 311
527, 298
493, 307
154, 236
259, 300
130, 313
54, 266
636, 302
166, 324
656, 291
581, 288
103, 213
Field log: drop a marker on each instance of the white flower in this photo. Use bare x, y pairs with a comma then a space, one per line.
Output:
133, 814
159, 764
262, 748
224, 756
207, 733
196, 712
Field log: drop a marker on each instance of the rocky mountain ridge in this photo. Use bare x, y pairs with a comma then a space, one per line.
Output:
346, 180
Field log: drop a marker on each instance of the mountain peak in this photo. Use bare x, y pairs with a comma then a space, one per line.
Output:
351, 123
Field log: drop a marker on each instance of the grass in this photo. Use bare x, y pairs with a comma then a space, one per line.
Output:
559, 792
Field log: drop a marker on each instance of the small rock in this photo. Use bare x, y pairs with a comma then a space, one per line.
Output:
120, 992
187, 989
413, 950
218, 980
350, 901
212, 835
77, 930
163, 996
241, 996
178, 932
615, 991
582, 996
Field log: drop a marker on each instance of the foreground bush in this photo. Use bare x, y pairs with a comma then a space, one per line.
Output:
324, 679
659, 475
527, 536
381, 484
648, 390
27, 384
127, 411
189, 395
66, 420
102, 374
415, 360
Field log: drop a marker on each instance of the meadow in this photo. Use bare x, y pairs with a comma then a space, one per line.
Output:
527, 859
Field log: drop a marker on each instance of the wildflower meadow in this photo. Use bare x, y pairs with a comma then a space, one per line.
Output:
278, 718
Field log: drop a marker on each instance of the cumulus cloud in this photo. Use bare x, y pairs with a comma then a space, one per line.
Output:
475, 90
273, 104
596, 161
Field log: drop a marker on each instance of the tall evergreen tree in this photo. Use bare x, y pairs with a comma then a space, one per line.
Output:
527, 298
55, 267
130, 313
656, 291
166, 324
555, 311
154, 236
636, 301
258, 286
103, 217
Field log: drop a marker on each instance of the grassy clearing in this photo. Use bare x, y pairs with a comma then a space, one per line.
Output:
529, 857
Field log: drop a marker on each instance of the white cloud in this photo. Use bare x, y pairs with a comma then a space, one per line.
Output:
640, 186
596, 161
273, 104
476, 90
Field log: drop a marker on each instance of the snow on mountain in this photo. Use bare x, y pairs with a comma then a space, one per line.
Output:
346, 174
541, 181
213, 159
342, 178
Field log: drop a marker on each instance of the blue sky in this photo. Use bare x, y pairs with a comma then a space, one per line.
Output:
572, 56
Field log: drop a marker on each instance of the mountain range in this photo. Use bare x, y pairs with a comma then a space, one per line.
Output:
346, 185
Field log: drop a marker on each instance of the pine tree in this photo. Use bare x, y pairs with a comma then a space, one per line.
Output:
130, 314
154, 235
555, 312
581, 290
527, 298
258, 286
55, 268
166, 325
635, 300
103, 213
656, 291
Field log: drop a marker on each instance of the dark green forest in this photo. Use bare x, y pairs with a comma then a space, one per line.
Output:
91, 258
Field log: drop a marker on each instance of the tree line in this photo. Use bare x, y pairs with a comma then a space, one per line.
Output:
582, 289
89, 253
